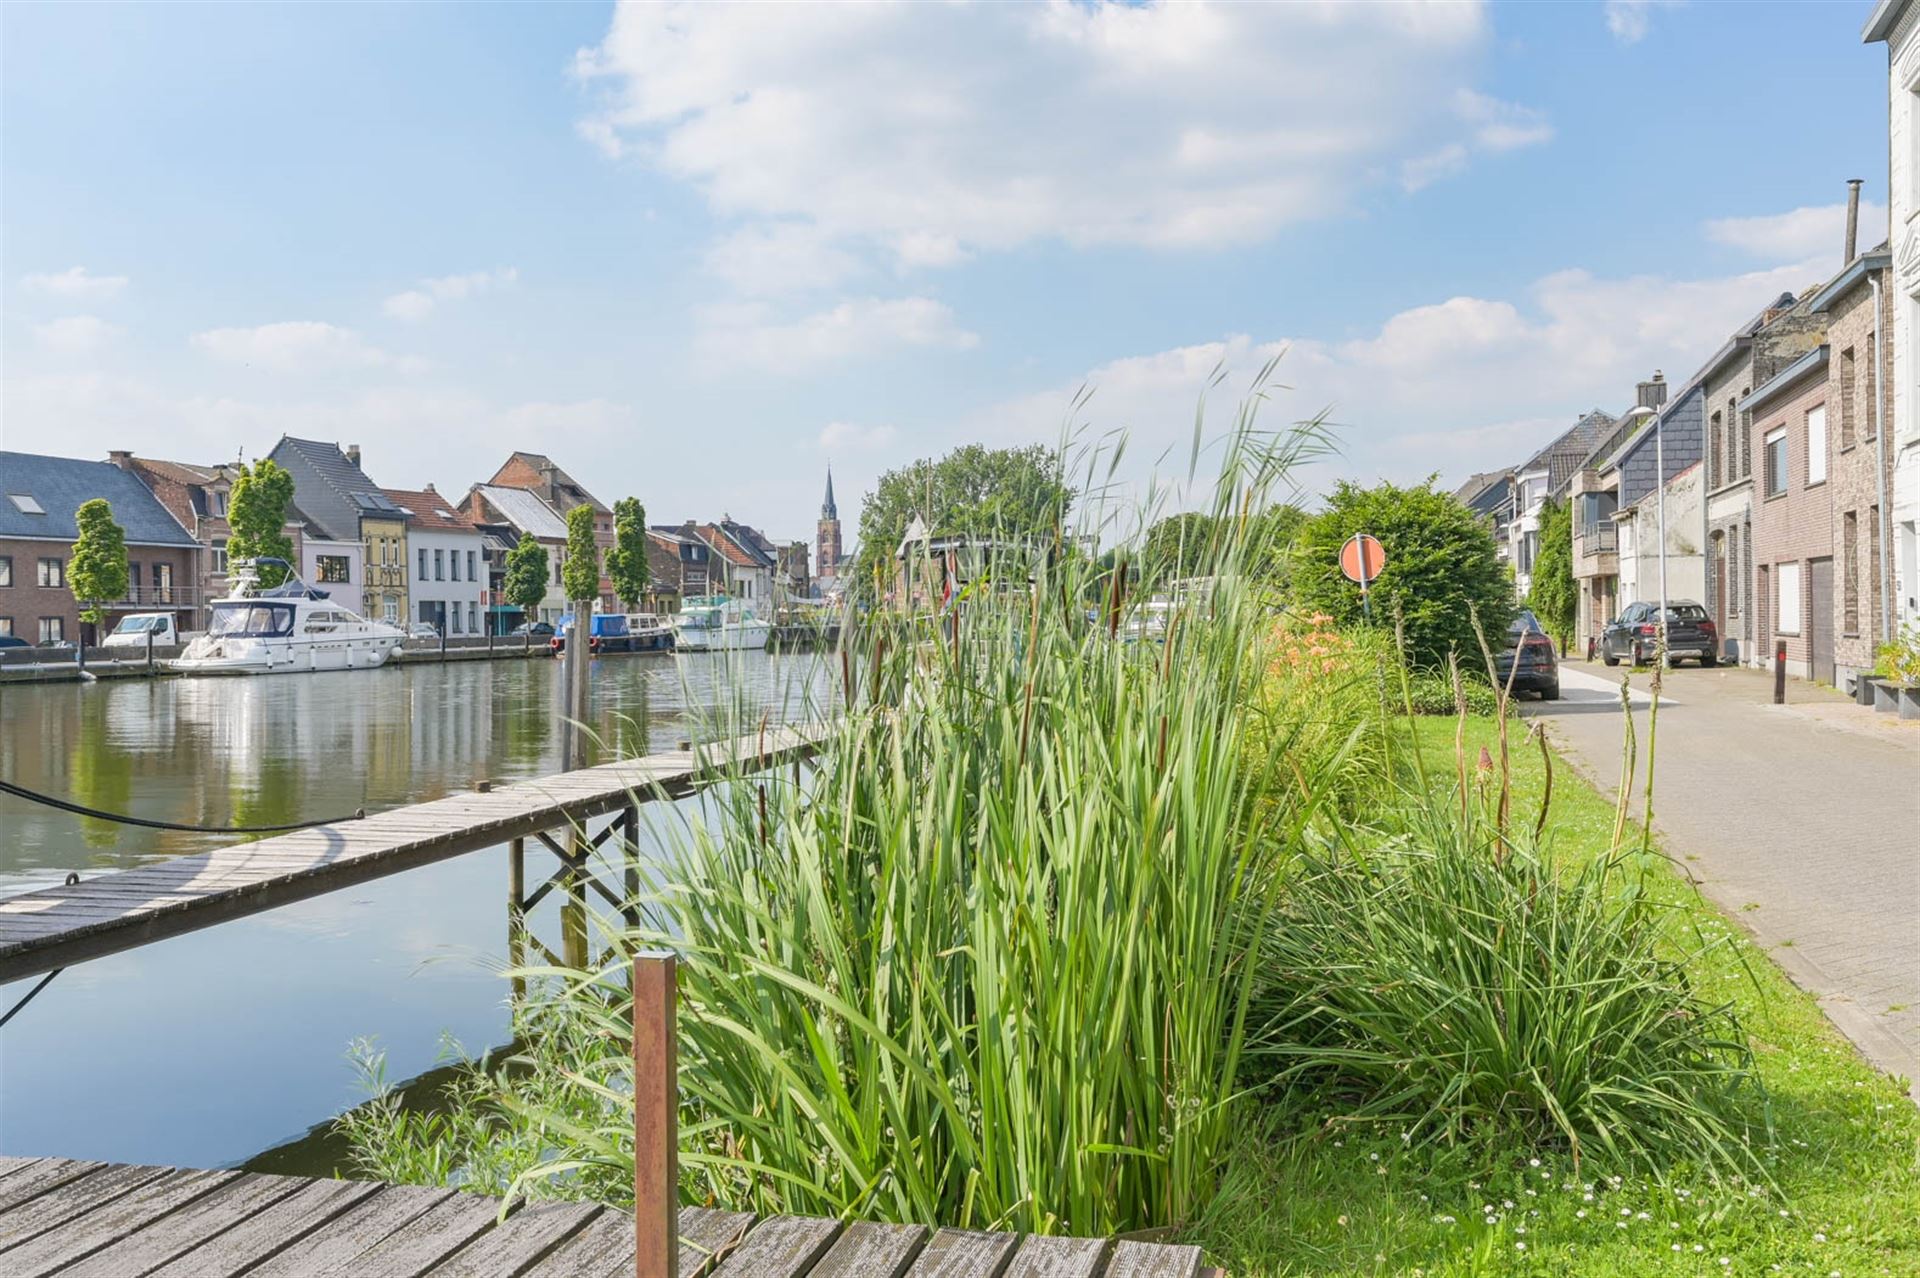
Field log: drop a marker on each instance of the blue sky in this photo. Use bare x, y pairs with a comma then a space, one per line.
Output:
695, 253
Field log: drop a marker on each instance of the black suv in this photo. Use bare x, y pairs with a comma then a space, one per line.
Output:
1635, 633
1528, 645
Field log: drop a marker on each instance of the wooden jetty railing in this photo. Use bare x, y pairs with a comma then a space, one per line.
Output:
55, 927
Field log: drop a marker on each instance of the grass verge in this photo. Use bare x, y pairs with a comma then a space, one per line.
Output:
1330, 1197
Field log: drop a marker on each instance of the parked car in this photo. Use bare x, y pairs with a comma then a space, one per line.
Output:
533, 629
607, 632
423, 630
13, 641
1527, 644
134, 629
1634, 635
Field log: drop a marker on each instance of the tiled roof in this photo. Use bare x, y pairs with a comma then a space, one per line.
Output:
429, 511
732, 550
525, 511
59, 485
1564, 455
535, 464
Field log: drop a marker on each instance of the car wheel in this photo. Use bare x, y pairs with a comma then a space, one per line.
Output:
1606, 655
1709, 660
1550, 693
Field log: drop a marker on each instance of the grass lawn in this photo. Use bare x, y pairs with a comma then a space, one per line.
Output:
1309, 1194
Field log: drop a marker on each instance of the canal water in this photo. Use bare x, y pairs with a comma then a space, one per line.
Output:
226, 1046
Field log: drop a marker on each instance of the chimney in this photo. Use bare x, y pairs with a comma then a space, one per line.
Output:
353, 453
1652, 394
1853, 221
430, 488
121, 458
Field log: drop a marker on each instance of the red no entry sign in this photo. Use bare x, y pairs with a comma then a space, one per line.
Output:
1362, 558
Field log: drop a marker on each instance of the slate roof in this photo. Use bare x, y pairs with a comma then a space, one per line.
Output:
523, 509
1563, 457
332, 491
61, 484
429, 511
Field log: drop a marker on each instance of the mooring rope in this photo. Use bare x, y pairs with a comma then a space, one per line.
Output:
34, 796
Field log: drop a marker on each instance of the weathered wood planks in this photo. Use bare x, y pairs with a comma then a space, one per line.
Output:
57, 926
93, 1220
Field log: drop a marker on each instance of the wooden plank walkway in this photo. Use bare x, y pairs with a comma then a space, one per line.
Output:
59, 926
92, 1220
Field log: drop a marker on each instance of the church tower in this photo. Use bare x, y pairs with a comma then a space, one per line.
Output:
827, 542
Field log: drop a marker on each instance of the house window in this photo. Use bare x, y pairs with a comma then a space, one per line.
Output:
1869, 406
1850, 570
470, 566
1875, 582
473, 617
390, 610
332, 569
423, 563
1746, 444
439, 565
455, 619
53, 573
1817, 445
219, 558
1714, 447
217, 502
1733, 571
1848, 426
133, 581
1786, 605
162, 583
1776, 469
53, 629
6, 626
6, 570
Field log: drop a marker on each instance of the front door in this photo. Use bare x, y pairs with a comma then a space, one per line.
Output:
1720, 583
1820, 620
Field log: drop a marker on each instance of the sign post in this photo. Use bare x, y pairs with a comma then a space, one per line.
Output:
1361, 560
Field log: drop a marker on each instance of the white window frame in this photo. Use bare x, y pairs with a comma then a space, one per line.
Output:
1816, 445
1786, 599
1767, 441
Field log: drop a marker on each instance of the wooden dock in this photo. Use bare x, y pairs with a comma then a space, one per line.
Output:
81, 1219
56, 927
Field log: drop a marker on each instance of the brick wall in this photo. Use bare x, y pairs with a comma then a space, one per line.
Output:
1860, 469
25, 604
1794, 527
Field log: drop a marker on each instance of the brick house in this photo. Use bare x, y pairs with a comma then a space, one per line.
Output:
39, 497
1781, 332
1793, 515
681, 563
537, 474
1860, 470
196, 496
508, 513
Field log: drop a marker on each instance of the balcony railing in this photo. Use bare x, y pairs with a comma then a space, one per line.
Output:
144, 596
1597, 539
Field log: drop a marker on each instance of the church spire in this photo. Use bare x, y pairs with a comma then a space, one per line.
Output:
827, 509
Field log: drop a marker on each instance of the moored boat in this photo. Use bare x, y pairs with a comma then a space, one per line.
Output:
707, 623
288, 628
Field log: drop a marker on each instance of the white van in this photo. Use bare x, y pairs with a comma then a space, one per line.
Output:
134, 628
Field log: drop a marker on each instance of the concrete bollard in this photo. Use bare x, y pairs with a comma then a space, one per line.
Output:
1780, 672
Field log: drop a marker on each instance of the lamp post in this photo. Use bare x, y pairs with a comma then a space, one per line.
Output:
1660, 508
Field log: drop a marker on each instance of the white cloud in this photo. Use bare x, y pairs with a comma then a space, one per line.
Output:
76, 334
1161, 125
1818, 232
299, 346
76, 282
747, 335
1629, 20
845, 437
416, 304
781, 257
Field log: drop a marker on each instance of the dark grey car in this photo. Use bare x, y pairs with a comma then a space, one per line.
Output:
1634, 635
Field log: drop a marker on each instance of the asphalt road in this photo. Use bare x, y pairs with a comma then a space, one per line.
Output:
1802, 822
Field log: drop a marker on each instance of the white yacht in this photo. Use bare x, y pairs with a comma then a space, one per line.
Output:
711, 622
289, 627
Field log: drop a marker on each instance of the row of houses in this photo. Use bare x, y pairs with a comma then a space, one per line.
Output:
406, 556
1767, 486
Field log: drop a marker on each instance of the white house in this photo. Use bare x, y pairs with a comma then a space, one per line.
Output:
1897, 23
337, 567
447, 556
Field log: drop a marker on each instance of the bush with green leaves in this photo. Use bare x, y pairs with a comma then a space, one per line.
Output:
1441, 569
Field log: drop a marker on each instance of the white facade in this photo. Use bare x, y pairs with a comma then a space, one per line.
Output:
1898, 23
1686, 561
1523, 533
449, 576
337, 567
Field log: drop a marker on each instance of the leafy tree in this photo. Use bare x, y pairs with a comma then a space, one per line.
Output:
1187, 545
1553, 594
580, 573
627, 558
257, 517
1441, 568
973, 490
525, 581
98, 570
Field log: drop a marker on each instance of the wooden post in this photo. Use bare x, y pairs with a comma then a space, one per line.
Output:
1780, 672
656, 1118
630, 860
517, 874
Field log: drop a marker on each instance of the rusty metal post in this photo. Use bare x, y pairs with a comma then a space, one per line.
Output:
1780, 672
656, 1118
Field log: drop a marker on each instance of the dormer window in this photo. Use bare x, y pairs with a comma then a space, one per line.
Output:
26, 503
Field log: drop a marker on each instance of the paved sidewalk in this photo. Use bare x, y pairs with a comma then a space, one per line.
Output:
1801, 821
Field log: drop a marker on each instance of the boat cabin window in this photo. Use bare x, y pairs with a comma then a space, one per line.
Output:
251, 620
321, 623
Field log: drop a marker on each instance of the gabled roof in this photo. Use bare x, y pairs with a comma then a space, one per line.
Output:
523, 508
331, 488
1563, 457
538, 464
1477, 485
58, 486
429, 511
